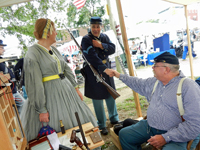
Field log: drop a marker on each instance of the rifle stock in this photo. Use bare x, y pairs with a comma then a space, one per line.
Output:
112, 91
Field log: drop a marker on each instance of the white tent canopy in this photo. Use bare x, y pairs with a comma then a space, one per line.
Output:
183, 2
147, 29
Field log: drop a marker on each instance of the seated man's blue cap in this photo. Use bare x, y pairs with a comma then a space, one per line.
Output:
1, 43
95, 20
167, 57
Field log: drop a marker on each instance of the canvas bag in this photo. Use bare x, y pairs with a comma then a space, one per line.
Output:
45, 130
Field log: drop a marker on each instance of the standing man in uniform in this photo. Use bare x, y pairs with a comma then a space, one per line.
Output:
96, 48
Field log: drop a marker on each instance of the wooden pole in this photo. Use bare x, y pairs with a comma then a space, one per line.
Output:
128, 55
189, 44
113, 25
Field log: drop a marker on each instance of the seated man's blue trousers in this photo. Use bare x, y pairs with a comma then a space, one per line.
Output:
133, 136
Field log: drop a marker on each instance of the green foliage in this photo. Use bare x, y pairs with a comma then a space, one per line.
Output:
129, 104
106, 145
20, 19
80, 17
153, 21
125, 106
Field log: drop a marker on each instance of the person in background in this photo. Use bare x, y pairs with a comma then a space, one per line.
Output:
141, 48
193, 38
19, 100
19, 75
164, 128
133, 46
185, 49
96, 48
53, 93
11, 66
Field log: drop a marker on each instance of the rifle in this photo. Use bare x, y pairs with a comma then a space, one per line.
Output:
112, 92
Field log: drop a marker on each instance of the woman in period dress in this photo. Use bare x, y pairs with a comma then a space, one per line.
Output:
52, 91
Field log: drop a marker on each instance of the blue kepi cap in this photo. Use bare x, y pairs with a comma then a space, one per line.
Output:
167, 57
95, 20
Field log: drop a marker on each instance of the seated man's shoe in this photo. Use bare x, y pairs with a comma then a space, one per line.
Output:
117, 128
116, 122
104, 131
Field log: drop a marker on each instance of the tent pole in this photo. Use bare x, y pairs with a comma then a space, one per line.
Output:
128, 56
189, 44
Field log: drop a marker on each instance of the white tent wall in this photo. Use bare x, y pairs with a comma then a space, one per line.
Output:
70, 47
5, 3
113, 39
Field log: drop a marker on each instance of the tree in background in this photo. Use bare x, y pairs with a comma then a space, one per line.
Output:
80, 17
19, 19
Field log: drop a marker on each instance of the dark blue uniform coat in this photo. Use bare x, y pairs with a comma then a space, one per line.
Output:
95, 56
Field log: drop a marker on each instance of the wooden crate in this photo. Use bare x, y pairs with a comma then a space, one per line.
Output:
115, 137
11, 132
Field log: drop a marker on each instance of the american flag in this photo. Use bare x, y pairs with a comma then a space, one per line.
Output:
79, 3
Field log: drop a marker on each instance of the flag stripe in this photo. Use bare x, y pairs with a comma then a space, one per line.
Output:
79, 3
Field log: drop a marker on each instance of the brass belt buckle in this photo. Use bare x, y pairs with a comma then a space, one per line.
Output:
61, 75
104, 61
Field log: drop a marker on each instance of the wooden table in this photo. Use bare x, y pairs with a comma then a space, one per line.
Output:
85, 127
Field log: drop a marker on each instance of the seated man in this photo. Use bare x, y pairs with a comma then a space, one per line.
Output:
164, 126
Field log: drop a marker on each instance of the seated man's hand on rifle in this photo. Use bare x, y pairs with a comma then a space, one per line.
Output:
112, 73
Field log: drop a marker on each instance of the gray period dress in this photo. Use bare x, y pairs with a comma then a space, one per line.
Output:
58, 97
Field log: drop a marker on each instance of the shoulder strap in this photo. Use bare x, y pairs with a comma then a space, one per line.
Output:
179, 97
178, 94
154, 88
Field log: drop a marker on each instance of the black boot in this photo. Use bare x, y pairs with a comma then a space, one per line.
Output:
104, 131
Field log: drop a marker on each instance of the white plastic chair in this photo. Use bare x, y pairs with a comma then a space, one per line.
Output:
144, 58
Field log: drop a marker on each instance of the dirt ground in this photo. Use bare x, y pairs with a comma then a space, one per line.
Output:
125, 93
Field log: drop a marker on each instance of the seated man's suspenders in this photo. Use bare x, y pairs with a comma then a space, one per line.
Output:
178, 94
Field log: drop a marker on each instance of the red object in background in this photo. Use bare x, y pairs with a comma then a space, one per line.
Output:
79, 3
117, 26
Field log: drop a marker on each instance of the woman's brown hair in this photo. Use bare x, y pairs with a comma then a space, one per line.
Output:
39, 27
